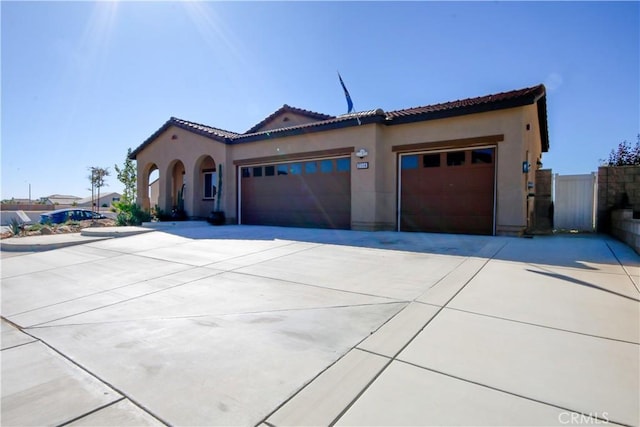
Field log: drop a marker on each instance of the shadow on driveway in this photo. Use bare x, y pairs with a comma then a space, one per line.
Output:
581, 251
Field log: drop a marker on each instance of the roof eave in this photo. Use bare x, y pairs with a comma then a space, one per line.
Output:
543, 124
173, 122
461, 111
288, 109
303, 130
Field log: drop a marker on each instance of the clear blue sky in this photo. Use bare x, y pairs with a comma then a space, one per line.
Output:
83, 81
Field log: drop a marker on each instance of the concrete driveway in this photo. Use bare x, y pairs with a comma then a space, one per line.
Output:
241, 325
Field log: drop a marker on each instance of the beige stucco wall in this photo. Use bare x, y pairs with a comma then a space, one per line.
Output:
154, 191
511, 201
363, 199
534, 149
374, 190
165, 152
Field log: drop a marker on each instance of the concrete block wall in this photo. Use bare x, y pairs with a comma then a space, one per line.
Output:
625, 228
613, 183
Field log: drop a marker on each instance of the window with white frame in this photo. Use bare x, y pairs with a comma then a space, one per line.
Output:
210, 179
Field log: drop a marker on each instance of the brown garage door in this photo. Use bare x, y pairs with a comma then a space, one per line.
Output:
448, 192
314, 193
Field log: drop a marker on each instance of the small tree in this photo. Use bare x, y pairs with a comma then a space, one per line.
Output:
97, 178
625, 154
127, 176
129, 213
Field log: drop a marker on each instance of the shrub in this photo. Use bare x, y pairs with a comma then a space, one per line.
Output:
131, 214
35, 227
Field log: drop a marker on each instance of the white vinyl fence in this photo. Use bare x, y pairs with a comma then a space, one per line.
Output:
575, 202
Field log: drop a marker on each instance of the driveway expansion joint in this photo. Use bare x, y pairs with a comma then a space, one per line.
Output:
521, 396
537, 325
92, 374
242, 366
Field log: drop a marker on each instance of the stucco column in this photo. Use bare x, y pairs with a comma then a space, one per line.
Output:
189, 179
142, 189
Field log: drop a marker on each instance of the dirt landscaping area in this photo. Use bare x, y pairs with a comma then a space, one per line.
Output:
68, 227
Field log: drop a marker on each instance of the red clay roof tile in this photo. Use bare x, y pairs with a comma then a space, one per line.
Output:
498, 101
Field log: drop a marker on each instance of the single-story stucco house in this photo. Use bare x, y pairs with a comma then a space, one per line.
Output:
106, 200
465, 166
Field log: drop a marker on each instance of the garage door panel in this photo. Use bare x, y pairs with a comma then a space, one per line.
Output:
447, 224
450, 198
460, 206
412, 205
473, 224
423, 222
301, 197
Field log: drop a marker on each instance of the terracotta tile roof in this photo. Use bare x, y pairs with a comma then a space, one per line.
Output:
496, 101
288, 109
345, 120
499, 101
200, 129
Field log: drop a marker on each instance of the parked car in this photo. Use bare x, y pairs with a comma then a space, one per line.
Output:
63, 215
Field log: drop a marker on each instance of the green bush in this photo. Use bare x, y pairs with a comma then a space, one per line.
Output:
35, 227
131, 214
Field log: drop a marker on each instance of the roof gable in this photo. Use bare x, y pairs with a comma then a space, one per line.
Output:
216, 134
287, 116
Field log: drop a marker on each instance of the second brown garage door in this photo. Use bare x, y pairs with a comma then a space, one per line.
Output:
448, 192
313, 193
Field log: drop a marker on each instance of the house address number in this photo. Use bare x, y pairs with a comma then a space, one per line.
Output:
362, 165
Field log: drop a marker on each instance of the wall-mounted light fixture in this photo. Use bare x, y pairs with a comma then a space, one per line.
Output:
362, 153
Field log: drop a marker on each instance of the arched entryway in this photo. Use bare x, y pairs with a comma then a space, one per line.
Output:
151, 185
205, 182
175, 187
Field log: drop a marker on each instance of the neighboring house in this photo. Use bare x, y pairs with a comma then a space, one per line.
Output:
106, 200
465, 166
61, 199
44, 201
